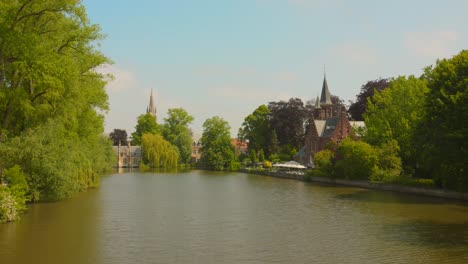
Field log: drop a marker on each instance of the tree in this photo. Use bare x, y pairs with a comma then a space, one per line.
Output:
118, 136
48, 59
176, 131
256, 128
395, 113
444, 131
288, 119
158, 152
146, 124
358, 108
52, 97
355, 160
217, 150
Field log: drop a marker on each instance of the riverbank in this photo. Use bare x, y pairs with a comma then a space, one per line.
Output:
366, 184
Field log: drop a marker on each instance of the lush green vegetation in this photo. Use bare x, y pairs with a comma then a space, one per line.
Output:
51, 100
166, 145
416, 132
217, 150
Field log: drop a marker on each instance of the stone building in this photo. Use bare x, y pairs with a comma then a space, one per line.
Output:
128, 156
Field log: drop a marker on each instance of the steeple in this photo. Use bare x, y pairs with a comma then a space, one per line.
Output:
151, 108
317, 102
325, 98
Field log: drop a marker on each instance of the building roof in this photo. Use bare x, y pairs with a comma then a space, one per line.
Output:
325, 128
325, 98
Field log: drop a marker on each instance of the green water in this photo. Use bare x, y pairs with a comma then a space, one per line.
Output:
209, 217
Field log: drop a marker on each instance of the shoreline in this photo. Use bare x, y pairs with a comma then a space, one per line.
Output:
438, 193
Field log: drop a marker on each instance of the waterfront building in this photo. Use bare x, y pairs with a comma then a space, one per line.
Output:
128, 156
325, 126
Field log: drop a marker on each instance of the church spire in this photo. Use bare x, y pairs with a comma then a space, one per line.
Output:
325, 98
151, 108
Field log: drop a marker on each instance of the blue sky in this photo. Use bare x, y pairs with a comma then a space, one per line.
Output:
227, 57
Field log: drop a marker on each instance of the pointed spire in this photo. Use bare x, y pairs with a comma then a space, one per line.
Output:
151, 108
317, 102
325, 98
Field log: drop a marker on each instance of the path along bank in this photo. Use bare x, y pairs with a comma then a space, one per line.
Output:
364, 184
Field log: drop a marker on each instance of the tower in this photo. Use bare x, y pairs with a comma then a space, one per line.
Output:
151, 108
326, 104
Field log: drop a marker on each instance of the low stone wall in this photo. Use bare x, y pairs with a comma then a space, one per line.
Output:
370, 185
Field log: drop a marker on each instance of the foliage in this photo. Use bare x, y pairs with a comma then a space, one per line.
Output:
355, 160
287, 119
358, 108
217, 150
50, 174
146, 124
261, 156
389, 162
324, 162
176, 131
51, 100
48, 59
267, 164
158, 152
119, 136
253, 156
444, 130
8, 205
395, 114
256, 128
274, 144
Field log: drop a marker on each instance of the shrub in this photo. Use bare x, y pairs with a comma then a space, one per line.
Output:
323, 162
267, 164
358, 160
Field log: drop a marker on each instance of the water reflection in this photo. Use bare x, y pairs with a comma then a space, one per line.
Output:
213, 217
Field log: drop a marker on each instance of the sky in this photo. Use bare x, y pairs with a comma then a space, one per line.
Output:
227, 57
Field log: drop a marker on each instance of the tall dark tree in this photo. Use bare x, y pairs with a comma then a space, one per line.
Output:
359, 107
119, 136
288, 119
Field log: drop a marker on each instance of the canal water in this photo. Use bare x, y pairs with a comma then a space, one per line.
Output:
212, 217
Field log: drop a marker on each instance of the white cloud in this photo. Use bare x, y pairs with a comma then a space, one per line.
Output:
122, 79
435, 44
354, 53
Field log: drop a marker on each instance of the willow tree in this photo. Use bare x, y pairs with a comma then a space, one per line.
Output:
158, 152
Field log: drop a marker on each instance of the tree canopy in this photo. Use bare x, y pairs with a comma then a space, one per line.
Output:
395, 113
444, 130
176, 131
146, 123
217, 149
358, 108
118, 136
256, 129
52, 97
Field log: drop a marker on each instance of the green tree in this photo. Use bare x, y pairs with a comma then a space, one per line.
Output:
146, 124
176, 131
51, 97
158, 152
217, 151
253, 156
355, 160
256, 128
395, 113
444, 132
324, 162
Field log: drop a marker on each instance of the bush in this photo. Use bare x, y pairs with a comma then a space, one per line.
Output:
323, 162
358, 160
267, 164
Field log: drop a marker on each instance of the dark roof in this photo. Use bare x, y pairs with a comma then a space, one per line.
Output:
325, 98
330, 125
